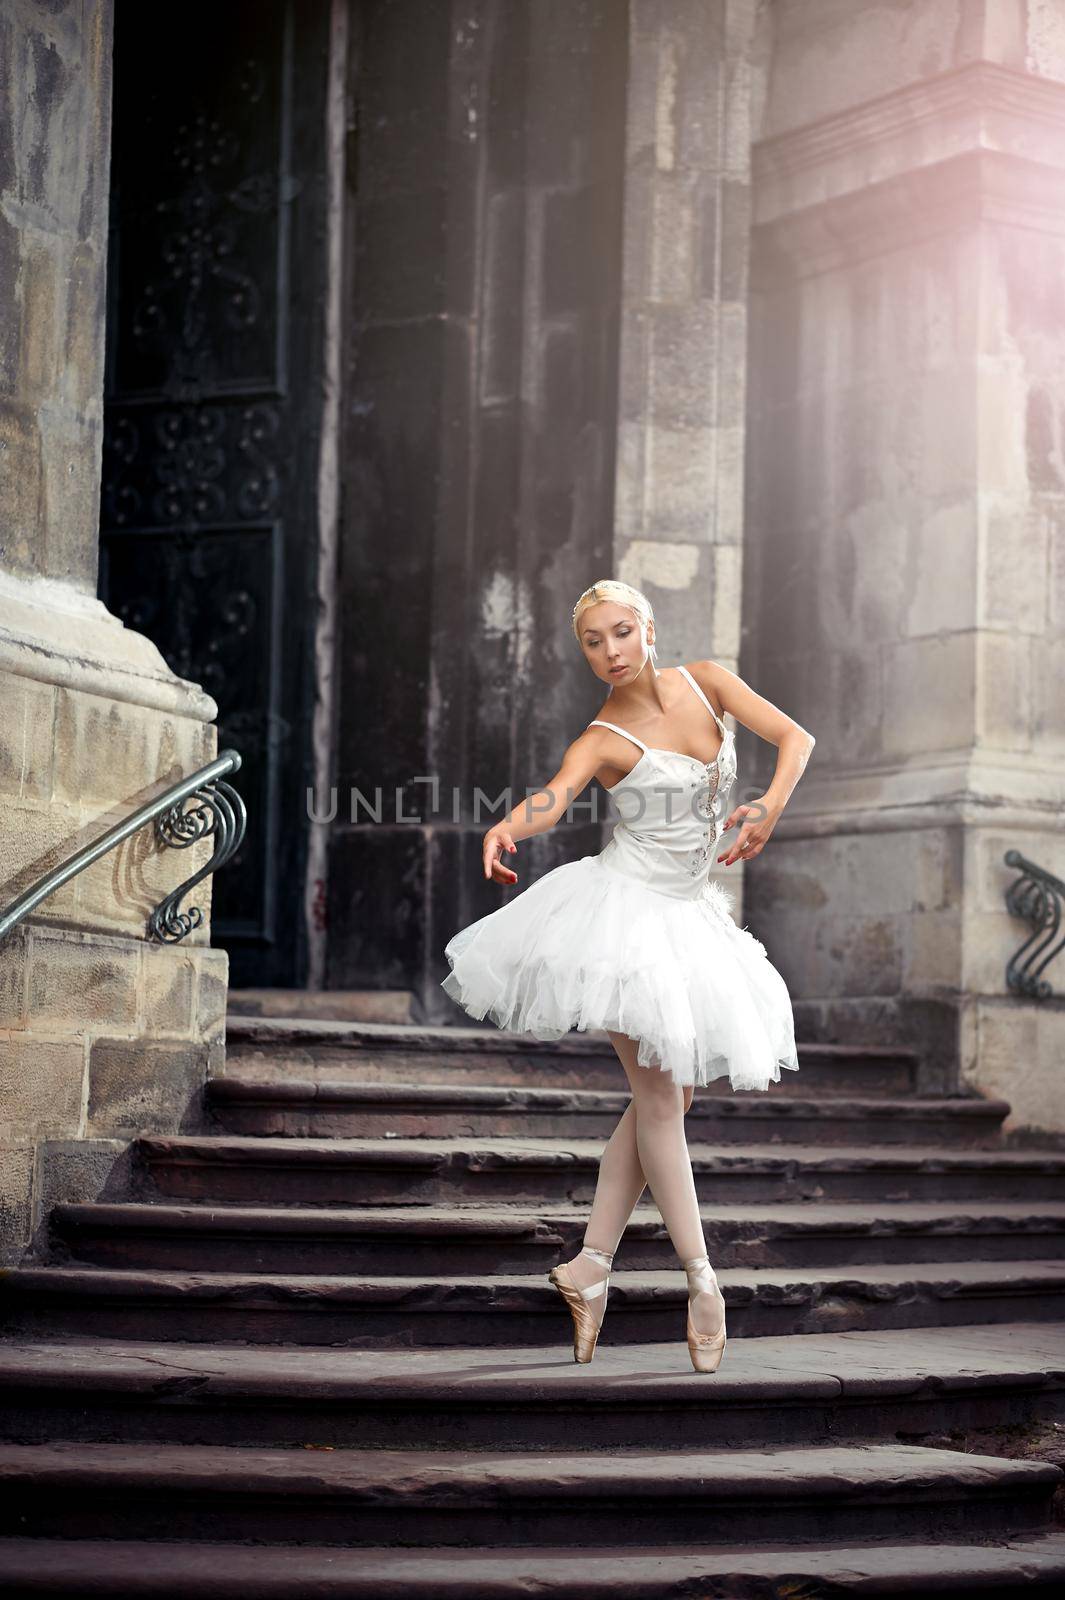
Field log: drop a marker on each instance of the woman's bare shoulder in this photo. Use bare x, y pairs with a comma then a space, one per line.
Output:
712, 679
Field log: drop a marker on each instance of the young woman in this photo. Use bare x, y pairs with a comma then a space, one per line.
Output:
638, 941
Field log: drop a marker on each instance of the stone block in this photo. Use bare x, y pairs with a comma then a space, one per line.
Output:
16, 1200
120, 754
991, 938
863, 953
724, 245
41, 1085
1014, 570
35, 841
1003, 441
120, 890
726, 608
26, 741
634, 359
14, 964
1055, 519
1048, 675
78, 1171
80, 982
212, 992
860, 573
674, 241
1003, 690
682, 480
845, 693
638, 251
683, 354
991, 877
944, 544
729, 486
933, 951
630, 508
167, 991
149, 1084
732, 367
933, 683
1019, 1046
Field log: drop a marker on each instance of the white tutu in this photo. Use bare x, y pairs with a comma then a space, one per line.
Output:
637, 939
585, 947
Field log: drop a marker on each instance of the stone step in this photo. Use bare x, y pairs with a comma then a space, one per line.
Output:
445, 1498
334, 1108
378, 1052
364, 1312
406, 1240
384, 1171
909, 1385
1013, 1569
337, 1005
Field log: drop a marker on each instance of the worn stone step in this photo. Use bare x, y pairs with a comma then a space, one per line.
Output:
292, 1171
907, 1385
363, 1312
446, 1498
404, 1240
389, 1006
378, 1052
1010, 1569
334, 1108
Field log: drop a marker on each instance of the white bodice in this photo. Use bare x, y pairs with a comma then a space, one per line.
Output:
672, 808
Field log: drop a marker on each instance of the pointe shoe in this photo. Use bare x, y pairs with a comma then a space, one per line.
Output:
585, 1327
705, 1349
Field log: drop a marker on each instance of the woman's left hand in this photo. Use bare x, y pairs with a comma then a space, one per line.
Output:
758, 818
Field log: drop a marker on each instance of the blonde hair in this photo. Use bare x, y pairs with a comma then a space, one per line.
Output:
623, 594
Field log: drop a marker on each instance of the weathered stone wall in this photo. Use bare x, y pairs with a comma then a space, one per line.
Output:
679, 521
907, 548
55, 119
693, 76
100, 1032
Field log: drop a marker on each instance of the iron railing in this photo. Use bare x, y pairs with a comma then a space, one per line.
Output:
219, 811
1037, 897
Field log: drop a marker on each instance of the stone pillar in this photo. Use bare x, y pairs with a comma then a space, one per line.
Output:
679, 517
100, 1032
906, 474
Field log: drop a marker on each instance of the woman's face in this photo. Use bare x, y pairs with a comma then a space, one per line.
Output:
613, 642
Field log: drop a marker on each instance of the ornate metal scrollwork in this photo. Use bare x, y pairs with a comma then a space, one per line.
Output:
220, 811
1037, 897
216, 809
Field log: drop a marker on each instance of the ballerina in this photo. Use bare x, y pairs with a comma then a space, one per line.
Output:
639, 941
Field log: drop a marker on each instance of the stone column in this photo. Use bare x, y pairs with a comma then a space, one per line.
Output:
678, 536
906, 473
100, 1032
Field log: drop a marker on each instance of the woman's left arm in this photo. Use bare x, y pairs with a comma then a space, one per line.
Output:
794, 744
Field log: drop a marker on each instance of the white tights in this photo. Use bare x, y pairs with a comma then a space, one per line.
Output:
648, 1147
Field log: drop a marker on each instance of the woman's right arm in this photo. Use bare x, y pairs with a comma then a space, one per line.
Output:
542, 810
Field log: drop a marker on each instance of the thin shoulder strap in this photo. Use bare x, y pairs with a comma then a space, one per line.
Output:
624, 735
703, 698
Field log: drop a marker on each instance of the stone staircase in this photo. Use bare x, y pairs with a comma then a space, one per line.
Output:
315, 1353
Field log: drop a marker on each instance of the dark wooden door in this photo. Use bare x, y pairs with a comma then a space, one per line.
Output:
209, 526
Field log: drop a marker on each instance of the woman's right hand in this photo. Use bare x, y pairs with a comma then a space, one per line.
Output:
497, 842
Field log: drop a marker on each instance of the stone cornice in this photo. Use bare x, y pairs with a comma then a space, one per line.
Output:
982, 107
981, 788
961, 192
